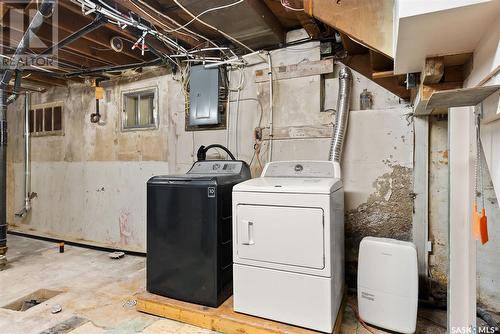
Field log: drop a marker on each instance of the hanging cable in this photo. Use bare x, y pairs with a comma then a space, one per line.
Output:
175, 22
124, 21
287, 6
205, 12
160, 23
212, 27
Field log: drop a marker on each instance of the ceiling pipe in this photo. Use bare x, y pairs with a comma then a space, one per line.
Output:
44, 9
99, 21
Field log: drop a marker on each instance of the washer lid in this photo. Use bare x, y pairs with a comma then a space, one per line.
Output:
290, 185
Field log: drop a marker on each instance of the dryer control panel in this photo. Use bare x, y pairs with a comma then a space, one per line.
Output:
303, 169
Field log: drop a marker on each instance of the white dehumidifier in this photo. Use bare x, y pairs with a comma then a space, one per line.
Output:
388, 284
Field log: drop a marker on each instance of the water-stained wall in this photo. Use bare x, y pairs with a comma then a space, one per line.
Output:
90, 183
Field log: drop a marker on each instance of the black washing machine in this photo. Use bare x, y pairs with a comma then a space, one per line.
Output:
189, 231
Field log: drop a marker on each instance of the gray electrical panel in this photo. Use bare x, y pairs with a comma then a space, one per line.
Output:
204, 88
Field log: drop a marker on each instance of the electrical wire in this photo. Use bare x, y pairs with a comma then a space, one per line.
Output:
163, 25
368, 328
212, 27
205, 12
287, 6
125, 21
176, 23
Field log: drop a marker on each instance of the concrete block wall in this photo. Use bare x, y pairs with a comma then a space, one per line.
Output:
91, 181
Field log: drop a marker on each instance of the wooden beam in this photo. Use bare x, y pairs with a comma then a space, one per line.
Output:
394, 84
45, 81
307, 22
101, 37
297, 70
124, 32
71, 58
460, 97
368, 21
268, 17
453, 73
380, 62
425, 93
87, 58
433, 70
352, 47
156, 18
69, 22
222, 319
383, 74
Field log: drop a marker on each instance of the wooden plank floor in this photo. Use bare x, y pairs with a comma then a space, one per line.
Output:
222, 319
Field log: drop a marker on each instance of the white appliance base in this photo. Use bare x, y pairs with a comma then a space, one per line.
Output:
297, 299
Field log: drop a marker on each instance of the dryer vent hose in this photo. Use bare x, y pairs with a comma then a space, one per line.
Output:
342, 116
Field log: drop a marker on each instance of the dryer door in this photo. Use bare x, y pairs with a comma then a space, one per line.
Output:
282, 235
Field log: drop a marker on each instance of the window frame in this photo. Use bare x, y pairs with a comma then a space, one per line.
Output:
138, 92
43, 106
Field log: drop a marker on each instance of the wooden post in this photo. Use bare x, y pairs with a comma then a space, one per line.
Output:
433, 70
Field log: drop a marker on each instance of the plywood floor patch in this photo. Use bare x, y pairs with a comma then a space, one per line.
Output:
222, 319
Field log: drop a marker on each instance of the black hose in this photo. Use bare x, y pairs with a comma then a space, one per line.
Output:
202, 151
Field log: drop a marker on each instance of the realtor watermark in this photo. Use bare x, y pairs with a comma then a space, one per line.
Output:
474, 330
15, 19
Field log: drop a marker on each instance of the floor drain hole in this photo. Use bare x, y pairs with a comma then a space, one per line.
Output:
33, 299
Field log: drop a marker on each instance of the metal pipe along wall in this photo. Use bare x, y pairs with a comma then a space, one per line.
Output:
27, 160
44, 10
3, 171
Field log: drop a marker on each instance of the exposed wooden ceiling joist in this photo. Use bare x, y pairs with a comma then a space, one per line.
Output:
362, 64
83, 46
157, 19
126, 33
307, 22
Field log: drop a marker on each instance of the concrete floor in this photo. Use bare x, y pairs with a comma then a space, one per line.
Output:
96, 292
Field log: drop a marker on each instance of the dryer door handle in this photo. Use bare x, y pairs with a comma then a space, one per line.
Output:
247, 232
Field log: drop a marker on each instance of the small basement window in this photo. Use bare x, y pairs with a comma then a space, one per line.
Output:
140, 110
46, 120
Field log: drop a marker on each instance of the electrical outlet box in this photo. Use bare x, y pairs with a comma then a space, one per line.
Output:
205, 87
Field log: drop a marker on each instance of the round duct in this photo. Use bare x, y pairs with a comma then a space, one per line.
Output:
116, 44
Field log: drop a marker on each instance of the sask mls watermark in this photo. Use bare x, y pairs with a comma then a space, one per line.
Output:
474, 330
15, 19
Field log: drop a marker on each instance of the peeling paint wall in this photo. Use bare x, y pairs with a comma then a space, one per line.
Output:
91, 181
488, 270
438, 205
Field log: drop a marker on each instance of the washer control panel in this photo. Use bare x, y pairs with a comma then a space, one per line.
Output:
302, 169
216, 167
